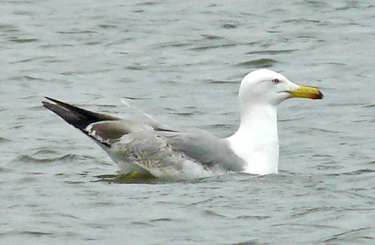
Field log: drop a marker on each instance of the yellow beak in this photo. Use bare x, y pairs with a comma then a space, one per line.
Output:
306, 92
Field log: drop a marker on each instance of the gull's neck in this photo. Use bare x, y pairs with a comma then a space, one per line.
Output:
256, 140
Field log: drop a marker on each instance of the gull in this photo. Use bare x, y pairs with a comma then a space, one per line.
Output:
149, 147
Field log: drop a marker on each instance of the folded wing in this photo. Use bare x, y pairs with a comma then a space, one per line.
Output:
146, 146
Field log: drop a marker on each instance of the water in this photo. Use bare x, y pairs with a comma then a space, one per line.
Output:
182, 63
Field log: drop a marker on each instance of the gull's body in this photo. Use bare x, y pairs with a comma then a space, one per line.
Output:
149, 147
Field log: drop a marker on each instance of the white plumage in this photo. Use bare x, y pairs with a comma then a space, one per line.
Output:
149, 147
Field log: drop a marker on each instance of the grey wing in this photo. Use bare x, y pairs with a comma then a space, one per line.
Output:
104, 129
138, 139
133, 144
205, 148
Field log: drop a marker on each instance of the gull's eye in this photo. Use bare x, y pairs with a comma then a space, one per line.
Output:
275, 81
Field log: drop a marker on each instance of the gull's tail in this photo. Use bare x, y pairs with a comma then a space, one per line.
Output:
77, 117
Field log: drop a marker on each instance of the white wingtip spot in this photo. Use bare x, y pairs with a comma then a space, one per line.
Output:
92, 132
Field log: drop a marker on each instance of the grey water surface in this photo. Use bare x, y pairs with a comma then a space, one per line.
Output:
182, 61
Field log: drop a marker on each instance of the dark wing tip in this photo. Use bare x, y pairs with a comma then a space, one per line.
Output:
63, 104
78, 117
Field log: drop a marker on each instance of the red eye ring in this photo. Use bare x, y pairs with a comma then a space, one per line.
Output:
275, 81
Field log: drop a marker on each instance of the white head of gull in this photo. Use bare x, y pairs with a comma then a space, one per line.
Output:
256, 140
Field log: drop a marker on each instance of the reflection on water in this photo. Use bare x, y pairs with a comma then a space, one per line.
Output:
131, 178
